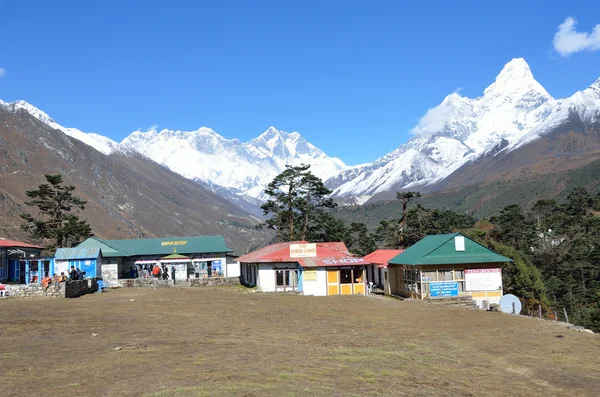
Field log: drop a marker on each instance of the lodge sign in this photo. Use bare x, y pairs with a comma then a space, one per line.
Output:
303, 250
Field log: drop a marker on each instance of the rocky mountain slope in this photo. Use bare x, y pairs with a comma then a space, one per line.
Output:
513, 111
128, 195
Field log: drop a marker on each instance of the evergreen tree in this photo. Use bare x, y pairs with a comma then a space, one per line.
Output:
55, 220
359, 241
297, 205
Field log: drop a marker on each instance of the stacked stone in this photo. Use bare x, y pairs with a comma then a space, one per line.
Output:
145, 283
213, 282
36, 290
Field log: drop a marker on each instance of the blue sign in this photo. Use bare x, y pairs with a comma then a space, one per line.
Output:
443, 288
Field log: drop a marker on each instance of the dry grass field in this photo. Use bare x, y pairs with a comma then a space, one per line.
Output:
228, 342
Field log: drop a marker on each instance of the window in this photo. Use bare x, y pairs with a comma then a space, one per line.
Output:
286, 280
358, 275
429, 275
459, 274
345, 276
445, 275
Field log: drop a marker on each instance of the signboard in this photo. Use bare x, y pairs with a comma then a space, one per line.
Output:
483, 279
165, 243
345, 261
443, 288
217, 270
303, 250
310, 275
459, 243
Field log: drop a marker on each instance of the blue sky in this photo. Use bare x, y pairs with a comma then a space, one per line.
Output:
352, 77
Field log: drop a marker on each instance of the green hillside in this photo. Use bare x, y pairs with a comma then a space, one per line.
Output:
483, 199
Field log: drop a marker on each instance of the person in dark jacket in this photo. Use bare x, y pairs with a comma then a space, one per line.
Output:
173, 274
79, 274
73, 274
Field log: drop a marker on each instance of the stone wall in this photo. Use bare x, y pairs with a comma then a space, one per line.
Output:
213, 282
76, 288
145, 283
55, 290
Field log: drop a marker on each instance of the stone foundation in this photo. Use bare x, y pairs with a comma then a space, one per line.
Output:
145, 283
213, 282
36, 290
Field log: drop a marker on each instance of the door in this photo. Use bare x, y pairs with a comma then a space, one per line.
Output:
346, 281
358, 286
333, 284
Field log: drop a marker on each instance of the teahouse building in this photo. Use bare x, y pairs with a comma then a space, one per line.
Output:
21, 262
377, 270
88, 260
447, 265
119, 256
313, 269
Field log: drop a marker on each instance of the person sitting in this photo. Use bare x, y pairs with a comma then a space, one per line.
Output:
46, 281
63, 277
55, 278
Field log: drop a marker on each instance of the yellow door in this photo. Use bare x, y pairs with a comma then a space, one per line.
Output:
333, 285
346, 289
359, 288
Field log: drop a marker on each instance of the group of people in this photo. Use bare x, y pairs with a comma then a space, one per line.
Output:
74, 274
152, 270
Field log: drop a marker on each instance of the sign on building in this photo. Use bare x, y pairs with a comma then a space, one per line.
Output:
443, 288
303, 250
310, 275
483, 279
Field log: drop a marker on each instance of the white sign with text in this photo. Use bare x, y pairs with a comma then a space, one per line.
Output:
303, 250
483, 279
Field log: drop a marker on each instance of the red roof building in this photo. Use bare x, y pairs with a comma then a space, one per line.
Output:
381, 257
300, 266
18, 244
377, 271
11, 252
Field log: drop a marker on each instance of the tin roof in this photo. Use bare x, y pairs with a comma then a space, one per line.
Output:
158, 246
382, 257
14, 243
440, 249
328, 254
77, 253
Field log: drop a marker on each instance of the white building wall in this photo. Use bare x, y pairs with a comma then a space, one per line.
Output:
110, 274
317, 288
233, 267
266, 278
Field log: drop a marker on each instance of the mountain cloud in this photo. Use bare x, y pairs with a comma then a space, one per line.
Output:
569, 41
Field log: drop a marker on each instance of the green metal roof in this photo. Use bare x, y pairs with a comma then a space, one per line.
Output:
439, 249
157, 246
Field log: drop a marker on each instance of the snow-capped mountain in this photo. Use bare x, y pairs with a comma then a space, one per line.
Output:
100, 143
514, 109
245, 167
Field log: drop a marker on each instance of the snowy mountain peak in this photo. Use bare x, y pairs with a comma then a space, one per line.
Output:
517, 68
100, 143
515, 80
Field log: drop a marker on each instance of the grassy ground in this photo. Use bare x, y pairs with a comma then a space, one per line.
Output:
227, 342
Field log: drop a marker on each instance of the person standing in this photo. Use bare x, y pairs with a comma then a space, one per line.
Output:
197, 269
173, 274
165, 274
73, 274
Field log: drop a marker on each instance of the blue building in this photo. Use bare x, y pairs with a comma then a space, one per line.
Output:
21, 262
88, 260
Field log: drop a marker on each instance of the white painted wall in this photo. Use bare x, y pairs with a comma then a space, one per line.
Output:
233, 268
319, 287
266, 278
109, 273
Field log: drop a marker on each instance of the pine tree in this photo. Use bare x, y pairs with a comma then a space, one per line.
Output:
297, 204
55, 220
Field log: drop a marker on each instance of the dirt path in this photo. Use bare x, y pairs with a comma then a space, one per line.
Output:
225, 342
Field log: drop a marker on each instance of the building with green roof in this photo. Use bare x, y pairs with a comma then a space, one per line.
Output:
447, 265
193, 256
